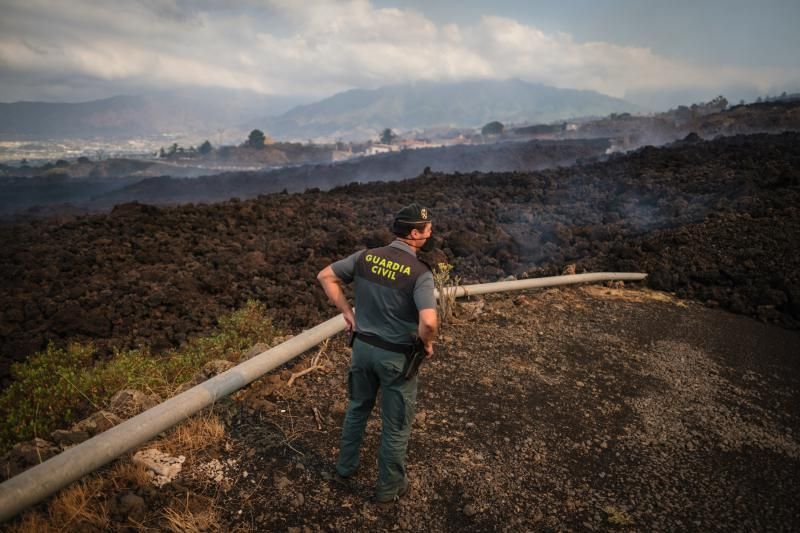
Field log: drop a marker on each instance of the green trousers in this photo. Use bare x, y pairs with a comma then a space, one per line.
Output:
373, 368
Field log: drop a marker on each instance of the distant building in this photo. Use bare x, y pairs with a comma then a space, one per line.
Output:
412, 144
380, 149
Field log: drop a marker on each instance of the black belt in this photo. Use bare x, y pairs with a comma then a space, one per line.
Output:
378, 342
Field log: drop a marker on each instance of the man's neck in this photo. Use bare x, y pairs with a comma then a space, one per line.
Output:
410, 244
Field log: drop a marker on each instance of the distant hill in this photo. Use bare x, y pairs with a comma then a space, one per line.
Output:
357, 114
361, 114
198, 111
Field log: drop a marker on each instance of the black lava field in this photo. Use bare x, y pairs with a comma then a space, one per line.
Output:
715, 221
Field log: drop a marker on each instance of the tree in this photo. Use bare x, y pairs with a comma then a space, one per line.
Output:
172, 149
205, 148
256, 139
388, 136
161, 153
720, 103
492, 128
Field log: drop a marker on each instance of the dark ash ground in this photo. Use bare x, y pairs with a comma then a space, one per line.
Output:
573, 409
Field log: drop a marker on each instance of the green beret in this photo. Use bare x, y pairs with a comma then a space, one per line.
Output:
413, 214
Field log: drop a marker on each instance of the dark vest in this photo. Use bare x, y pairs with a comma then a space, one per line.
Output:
396, 272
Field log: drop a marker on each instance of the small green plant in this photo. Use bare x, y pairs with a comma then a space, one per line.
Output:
42, 396
58, 386
617, 517
447, 286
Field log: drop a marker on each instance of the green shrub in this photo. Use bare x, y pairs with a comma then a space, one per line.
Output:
58, 386
446, 285
47, 390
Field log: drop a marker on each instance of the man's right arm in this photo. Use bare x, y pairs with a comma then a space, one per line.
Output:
331, 278
331, 284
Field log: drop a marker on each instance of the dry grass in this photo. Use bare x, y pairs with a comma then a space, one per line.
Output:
631, 295
32, 522
314, 365
80, 506
83, 506
126, 472
194, 435
192, 516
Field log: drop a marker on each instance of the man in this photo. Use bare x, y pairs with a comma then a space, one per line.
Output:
394, 299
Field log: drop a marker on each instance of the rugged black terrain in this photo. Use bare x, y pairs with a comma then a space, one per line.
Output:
716, 221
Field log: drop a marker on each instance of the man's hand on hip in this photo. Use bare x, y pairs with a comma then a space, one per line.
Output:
350, 321
428, 324
428, 349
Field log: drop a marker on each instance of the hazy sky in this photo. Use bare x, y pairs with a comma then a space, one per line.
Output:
86, 49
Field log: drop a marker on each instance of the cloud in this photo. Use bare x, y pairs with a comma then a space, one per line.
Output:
313, 48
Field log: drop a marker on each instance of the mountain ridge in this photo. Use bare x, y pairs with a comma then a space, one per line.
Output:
199, 112
355, 114
465, 104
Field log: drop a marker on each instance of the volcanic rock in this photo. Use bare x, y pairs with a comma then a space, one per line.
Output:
24, 455
127, 403
716, 221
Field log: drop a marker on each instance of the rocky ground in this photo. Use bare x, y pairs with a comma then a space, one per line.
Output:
708, 121
587, 408
715, 221
582, 408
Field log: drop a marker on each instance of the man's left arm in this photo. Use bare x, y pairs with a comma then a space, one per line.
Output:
426, 305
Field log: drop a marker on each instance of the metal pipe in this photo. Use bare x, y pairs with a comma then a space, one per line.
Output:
535, 283
39, 482
35, 484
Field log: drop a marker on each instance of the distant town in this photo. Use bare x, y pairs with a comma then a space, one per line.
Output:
255, 149
238, 150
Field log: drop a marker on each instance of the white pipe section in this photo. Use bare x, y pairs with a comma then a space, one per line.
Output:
39, 482
35, 484
535, 283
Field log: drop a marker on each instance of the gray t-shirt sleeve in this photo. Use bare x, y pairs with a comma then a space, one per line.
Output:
345, 268
423, 292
